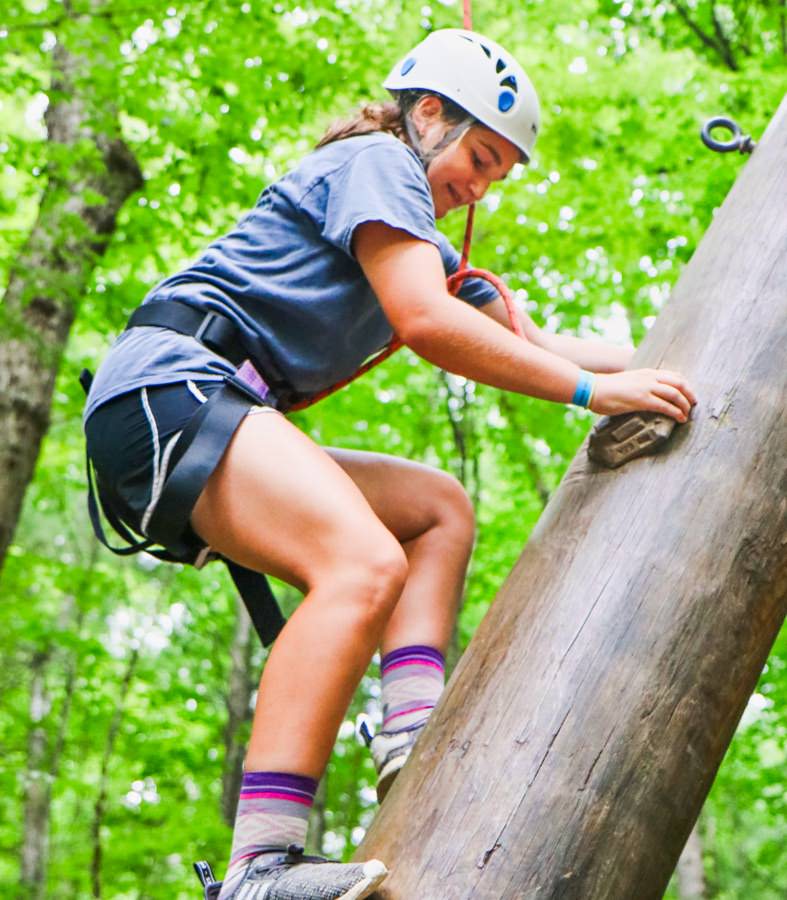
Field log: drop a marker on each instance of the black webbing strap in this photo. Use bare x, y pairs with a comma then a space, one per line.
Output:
95, 496
216, 332
260, 601
197, 453
201, 445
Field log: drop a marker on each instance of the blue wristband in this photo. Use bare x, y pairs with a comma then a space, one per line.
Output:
584, 389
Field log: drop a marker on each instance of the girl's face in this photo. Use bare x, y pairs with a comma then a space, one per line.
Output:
461, 174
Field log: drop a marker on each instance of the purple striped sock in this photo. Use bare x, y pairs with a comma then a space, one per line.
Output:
273, 809
413, 679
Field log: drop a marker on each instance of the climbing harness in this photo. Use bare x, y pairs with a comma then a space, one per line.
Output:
168, 533
739, 141
203, 440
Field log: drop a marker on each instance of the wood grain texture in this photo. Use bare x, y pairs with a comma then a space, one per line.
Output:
583, 727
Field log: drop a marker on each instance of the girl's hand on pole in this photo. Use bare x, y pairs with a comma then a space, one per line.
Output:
656, 390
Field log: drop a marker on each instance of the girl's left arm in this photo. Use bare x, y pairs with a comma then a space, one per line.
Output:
593, 355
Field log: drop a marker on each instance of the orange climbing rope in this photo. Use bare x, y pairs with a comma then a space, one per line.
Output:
453, 283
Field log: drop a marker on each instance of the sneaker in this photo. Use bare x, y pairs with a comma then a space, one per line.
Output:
280, 873
390, 750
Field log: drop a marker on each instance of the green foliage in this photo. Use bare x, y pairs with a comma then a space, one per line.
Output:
216, 100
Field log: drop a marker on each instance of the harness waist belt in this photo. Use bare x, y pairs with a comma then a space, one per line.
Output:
219, 334
216, 332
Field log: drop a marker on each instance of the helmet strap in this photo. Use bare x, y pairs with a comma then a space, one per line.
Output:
426, 156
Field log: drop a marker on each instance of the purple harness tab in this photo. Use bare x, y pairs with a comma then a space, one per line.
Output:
249, 375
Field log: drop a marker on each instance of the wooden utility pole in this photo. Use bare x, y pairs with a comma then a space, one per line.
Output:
583, 727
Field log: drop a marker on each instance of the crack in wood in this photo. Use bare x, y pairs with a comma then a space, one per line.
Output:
593, 764
549, 747
585, 620
487, 854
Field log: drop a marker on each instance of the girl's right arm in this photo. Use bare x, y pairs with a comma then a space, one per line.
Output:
407, 277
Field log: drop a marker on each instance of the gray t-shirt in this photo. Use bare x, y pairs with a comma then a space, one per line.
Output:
286, 275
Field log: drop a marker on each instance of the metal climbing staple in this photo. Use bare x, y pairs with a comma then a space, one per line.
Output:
739, 141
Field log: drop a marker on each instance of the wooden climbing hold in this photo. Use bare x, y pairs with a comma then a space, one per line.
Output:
617, 439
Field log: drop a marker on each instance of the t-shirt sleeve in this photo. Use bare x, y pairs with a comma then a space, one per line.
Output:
381, 182
475, 291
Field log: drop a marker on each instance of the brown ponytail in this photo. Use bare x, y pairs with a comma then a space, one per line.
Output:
388, 117
371, 117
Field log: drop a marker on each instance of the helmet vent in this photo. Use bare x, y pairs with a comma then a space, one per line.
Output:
407, 65
486, 50
500, 66
505, 101
509, 81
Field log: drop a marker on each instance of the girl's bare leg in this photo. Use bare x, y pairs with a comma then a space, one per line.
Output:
431, 516
277, 503
341, 526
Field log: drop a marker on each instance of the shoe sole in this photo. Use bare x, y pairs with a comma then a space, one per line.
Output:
375, 873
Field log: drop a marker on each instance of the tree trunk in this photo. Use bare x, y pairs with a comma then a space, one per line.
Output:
44, 756
238, 712
690, 871
99, 806
316, 830
37, 784
53, 269
582, 729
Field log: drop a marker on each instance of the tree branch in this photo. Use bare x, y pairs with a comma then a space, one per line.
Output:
724, 41
457, 426
704, 37
57, 21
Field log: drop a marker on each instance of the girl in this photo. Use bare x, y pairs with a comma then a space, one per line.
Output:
334, 259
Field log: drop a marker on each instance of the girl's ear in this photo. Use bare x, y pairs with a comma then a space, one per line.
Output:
426, 110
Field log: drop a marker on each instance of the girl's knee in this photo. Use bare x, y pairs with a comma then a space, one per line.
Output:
368, 575
455, 511
386, 570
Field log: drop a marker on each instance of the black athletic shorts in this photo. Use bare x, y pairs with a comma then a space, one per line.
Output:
130, 441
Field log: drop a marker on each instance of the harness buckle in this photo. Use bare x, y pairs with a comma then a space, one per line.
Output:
221, 335
199, 334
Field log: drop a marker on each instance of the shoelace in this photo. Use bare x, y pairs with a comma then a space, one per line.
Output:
291, 855
365, 732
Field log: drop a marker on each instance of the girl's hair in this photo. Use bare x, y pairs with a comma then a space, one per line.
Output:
388, 117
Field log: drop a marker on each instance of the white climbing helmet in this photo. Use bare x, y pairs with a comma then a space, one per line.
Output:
478, 75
